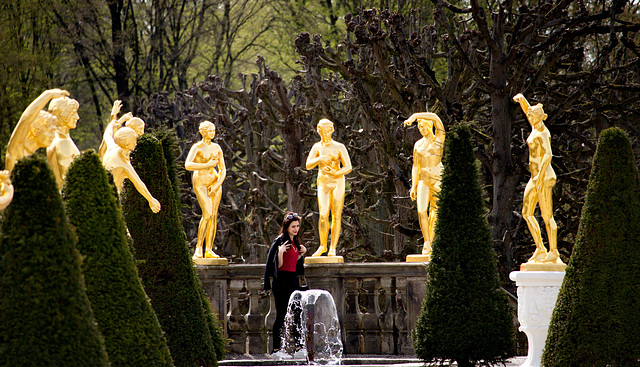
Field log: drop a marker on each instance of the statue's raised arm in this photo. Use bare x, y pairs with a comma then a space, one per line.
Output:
19, 138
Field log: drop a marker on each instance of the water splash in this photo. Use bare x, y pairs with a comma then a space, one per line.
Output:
312, 327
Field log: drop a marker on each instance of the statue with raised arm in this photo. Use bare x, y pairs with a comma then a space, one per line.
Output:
333, 164
35, 129
206, 160
136, 123
540, 186
116, 160
62, 149
426, 175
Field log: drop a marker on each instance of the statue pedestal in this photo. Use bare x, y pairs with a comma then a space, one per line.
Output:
537, 294
541, 266
324, 260
418, 258
218, 261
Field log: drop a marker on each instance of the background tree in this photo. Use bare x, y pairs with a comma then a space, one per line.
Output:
45, 315
594, 322
465, 315
166, 268
133, 336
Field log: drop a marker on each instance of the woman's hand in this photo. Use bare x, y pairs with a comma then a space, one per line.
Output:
303, 250
284, 247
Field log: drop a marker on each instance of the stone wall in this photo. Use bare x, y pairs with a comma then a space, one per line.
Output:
378, 303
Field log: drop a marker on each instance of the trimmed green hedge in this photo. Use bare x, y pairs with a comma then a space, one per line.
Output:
465, 315
133, 336
166, 268
596, 321
45, 315
170, 146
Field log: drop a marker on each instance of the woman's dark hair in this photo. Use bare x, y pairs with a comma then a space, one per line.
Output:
289, 218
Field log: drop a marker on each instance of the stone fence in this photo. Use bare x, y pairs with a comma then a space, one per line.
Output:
377, 303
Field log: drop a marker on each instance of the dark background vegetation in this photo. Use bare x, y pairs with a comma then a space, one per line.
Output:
265, 71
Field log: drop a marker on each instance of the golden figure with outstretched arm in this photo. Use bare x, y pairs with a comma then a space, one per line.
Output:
426, 172
333, 163
540, 186
117, 161
137, 124
35, 129
203, 159
63, 150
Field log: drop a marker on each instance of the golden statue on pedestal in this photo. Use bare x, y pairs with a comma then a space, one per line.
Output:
35, 129
206, 161
333, 163
539, 190
62, 149
116, 159
426, 175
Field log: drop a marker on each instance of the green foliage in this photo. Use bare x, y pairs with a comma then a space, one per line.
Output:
166, 269
465, 315
45, 315
169, 143
133, 336
596, 320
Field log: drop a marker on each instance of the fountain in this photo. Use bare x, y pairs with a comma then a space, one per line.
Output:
312, 327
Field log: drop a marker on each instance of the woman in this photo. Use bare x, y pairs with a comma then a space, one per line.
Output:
284, 264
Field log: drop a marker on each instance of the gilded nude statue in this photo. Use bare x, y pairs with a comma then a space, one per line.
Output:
426, 172
540, 186
206, 160
62, 149
117, 160
136, 123
333, 164
35, 129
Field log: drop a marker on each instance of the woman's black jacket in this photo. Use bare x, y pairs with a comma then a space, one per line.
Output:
271, 270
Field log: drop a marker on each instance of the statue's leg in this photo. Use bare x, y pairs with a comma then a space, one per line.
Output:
529, 202
213, 224
433, 215
205, 205
323, 224
546, 209
337, 203
422, 202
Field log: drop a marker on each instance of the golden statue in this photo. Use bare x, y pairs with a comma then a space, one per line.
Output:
426, 175
62, 149
116, 160
333, 163
203, 159
136, 123
35, 129
539, 189
6, 189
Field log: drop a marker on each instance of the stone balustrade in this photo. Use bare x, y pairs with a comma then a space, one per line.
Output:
377, 303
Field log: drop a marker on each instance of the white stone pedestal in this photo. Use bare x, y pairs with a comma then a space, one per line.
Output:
537, 294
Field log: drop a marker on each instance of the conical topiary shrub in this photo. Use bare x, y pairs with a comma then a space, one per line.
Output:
465, 315
45, 315
166, 269
596, 321
133, 336
169, 144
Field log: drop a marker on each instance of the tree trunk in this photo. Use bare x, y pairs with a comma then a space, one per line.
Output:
119, 59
